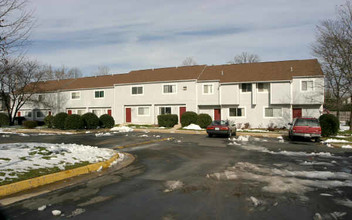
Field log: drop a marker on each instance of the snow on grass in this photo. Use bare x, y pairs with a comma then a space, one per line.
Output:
173, 185
56, 212
344, 127
283, 180
42, 208
253, 130
346, 146
193, 127
122, 129
22, 158
330, 140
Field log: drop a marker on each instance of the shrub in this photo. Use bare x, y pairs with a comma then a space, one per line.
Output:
90, 120
59, 120
329, 125
30, 124
204, 120
74, 122
4, 119
167, 120
48, 120
246, 125
106, 121
188, 118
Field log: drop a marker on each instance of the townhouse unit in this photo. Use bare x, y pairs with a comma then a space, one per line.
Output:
261, 94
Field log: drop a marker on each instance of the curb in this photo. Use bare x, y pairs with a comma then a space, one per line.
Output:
12, 188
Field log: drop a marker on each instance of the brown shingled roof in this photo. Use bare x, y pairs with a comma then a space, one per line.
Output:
249, 72
264, 71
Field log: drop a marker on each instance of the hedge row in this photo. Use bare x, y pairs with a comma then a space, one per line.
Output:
74, 122
187, 118
329, 125
4, 119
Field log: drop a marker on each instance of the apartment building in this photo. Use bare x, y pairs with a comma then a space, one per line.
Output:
261, 94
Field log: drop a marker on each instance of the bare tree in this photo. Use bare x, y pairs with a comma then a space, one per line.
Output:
61, 73
19, 81
102, 70
245, 57
15, 24
189, 61
333, 47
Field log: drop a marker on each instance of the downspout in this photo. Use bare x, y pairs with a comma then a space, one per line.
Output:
200, 74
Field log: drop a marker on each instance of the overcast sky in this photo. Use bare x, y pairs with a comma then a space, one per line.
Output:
131, 35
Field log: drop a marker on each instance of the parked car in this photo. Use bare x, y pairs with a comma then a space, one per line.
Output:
305, 127
221, 127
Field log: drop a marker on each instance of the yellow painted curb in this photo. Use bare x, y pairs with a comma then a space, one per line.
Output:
142, 143
54, 177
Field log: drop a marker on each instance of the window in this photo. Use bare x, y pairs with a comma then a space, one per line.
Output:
137, 90
40, 98
185, 88
263, 87
208, 89
29, 114
273, 112
99, 94
81, 111
165, 110
75, 95
39, 115
169, 89
307, 85
143, 111
236, 112
246, 87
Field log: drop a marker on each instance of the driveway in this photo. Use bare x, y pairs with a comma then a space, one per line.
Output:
196, 177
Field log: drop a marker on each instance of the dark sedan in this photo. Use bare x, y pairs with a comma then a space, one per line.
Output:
221, 127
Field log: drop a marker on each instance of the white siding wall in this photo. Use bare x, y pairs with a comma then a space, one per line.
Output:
280, 93
308, 97
208, 99
153, 96
230, 94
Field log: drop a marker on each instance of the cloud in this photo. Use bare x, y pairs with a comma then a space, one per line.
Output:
129, 35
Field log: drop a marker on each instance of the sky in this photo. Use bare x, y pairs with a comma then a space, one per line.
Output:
131, 35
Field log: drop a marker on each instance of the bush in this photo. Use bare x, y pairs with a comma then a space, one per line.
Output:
106, 121
188, 118
59, 120
74, 122
4, 119
30, 124
167, 120
329, 125
204, 120
90, 120
48, 120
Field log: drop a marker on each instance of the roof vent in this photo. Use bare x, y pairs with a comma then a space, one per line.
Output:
291, 69
222, 72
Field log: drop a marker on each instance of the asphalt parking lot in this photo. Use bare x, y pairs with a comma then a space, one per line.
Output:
196, 177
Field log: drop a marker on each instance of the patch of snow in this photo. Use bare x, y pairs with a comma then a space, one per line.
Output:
173, 185
253, 130
161, 127
330, 140
326, 194
281, 139
5, 136
341, 136
344, 127
68, 133
255, 201
306, 163
100, 169
193, 127
56, 212
23, 157
88, 132
76, 212
102, 134
143, 135
346, 146
23, 135
42, 208
122, 129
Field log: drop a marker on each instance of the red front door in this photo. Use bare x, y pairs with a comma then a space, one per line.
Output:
128, 115
296, 113
182, 110
69, 112
217, 114
109, 112
18, 114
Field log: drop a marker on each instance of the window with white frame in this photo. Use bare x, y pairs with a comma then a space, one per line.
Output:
99, 94
307, 85
137, 90
169, 89
237, 112
143, 111
208, 89
75, 95
39, 114
81, 111
28, 114
273, 112
263, 87
165, 110
246, 87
